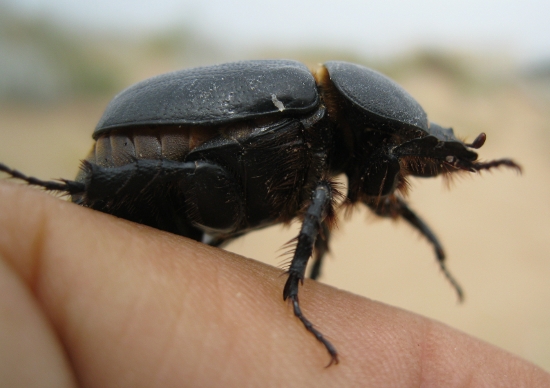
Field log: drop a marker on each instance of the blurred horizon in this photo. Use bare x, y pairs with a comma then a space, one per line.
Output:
518, 29
60, 49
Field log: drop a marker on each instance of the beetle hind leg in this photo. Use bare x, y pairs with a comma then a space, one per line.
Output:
398, 208
63, 185
318, 209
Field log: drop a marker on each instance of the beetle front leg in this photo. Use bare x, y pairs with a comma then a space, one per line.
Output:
396, 207
318, 209
423, 228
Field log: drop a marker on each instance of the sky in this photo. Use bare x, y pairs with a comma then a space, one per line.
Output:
519, 29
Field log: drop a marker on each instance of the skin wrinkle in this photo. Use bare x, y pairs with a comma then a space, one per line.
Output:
33, 277
36, 249
99, 247
23, 322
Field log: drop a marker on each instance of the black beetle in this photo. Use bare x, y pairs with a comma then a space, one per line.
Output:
214, 152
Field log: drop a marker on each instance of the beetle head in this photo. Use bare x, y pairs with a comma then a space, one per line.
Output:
385, 170
442, 153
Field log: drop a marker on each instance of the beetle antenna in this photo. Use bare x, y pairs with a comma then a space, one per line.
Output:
67, 186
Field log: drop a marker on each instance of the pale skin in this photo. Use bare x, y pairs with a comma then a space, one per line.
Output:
90, 300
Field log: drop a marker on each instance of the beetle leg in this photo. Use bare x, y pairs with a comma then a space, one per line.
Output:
134, 178
311, 226
399, 208
198, 184
321, 249
66, 186
423, 228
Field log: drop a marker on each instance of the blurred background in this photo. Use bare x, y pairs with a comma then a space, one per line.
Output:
478, 66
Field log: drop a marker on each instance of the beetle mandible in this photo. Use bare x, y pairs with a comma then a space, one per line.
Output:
213, 152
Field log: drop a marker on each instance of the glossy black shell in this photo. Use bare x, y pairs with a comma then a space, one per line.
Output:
229, 92
214, 95
375, 94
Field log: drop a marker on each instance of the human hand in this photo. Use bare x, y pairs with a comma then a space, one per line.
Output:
92, 300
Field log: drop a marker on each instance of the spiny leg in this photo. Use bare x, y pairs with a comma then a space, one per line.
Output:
318, 209
66, 186
100, 182
399, 208
321, 249
497, 163
423, 228
132, 179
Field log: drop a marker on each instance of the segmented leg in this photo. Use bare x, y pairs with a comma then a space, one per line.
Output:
398, 208
311, 226
134, 179
102, 182
66, 186
497, 163
321, 249
168, 195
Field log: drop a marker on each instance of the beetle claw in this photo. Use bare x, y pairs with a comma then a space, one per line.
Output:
497, 163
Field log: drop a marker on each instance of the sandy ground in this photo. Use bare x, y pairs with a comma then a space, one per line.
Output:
495, 227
